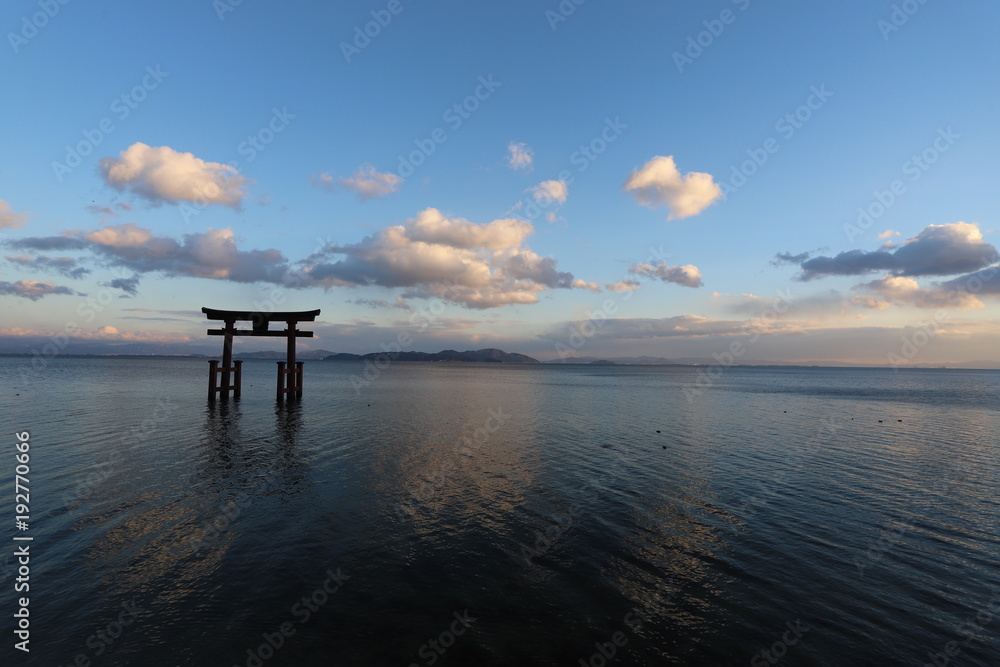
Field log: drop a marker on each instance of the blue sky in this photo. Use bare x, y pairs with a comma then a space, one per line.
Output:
160, 158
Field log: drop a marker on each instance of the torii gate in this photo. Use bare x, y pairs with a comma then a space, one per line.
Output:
289, 371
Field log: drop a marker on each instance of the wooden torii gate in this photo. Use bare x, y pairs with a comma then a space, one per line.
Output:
289, 371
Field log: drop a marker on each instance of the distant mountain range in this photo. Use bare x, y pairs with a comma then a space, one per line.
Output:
488, 355
708, 361
301, 355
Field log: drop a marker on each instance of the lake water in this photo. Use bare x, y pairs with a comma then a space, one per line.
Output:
481, 514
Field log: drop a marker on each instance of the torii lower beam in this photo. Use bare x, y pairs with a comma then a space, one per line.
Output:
289, 372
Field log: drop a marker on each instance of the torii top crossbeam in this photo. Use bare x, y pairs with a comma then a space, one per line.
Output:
260, 319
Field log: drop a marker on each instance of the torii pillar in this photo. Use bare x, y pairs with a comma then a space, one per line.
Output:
289, 371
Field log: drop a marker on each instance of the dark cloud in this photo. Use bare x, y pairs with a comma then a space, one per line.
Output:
128, 285
34, 289
788, 258
66, 266
687, 275
938, 250
45, 243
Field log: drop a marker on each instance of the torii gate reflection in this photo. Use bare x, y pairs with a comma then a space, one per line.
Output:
289, 371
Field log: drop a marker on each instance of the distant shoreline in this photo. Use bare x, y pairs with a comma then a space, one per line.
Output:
361, 358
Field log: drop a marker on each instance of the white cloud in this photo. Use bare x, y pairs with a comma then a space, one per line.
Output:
519, 156
889, 233
9, 219
659, 183
367, 183
551, 191
901, 290
627, 285
324, 180
583, 284
475, 265
162, 174
687, 275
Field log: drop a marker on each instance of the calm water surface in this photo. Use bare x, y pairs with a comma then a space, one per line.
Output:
477, 514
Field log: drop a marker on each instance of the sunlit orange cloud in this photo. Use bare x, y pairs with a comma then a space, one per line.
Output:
107, 333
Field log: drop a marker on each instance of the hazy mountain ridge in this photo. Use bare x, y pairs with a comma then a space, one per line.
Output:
709, 361
491, 354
